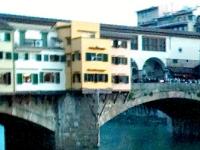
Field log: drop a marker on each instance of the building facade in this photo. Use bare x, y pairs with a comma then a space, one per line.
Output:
183, 20
39, 58
6, 61
40, 54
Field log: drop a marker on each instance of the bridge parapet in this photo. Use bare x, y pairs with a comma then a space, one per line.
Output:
142, 89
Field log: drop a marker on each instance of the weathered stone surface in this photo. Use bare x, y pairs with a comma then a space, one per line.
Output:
77, 122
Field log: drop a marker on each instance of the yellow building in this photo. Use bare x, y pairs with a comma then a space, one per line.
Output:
88, 61
6, 58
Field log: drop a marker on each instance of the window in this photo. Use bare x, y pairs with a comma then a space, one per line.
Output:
34, 78
119, 43
27, 78
50, 77
5, 78
95, 77
54, 58
76, 78
105, 57
123, 44
19, 78
115, 43
76, 56
46, 58
15, 56
153, 44
63, 58
5, 37
90, 56
120, 79
134, 43
1, 55
26, 56
57, 74
96, 57
38, 57
41, 77
68, 40
119, 60
8, 55
175, 61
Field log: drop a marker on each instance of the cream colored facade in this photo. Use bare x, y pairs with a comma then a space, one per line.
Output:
94, 68
6, 62
121, 69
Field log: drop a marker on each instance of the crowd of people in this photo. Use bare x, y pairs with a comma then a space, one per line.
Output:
168, 80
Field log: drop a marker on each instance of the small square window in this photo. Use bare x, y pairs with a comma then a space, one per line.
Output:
175, 61
8, 55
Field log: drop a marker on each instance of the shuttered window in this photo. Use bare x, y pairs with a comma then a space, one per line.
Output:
26, 56
41, 77
15, 56
19, 78
34, 78
8, 55
38, 57
57, 77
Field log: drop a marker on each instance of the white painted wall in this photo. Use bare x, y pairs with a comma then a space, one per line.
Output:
33, 66
190, 50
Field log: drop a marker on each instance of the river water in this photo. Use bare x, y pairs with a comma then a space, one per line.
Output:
149, 131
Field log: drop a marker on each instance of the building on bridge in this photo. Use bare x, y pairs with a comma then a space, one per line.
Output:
6, 63
38, 60
187, 19
55, 55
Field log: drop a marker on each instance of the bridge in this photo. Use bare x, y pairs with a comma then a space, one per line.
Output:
71, 120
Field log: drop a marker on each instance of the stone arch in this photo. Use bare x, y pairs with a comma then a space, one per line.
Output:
153, 69
120, 107
39, 113
197, 72
134, 71
24, 134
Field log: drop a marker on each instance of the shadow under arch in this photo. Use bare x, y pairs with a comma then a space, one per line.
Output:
153, 69
22, 134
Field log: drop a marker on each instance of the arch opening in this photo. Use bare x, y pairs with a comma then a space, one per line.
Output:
23, 134
153, 70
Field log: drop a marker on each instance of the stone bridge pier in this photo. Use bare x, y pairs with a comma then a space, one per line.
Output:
77, 125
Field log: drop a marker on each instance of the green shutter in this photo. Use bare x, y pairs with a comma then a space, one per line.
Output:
38, 57
21, 37
1, 55
41, 77
57, 77
26, 56
105, 57
7, 37
46, 58
63, 58
19, 78
34, 78
8, 55
15, 56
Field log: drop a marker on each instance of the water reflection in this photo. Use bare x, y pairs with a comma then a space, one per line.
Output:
151, 130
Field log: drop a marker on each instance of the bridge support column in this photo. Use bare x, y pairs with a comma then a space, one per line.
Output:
77, 124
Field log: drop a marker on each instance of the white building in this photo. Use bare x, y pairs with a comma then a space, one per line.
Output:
155, 52
39, 58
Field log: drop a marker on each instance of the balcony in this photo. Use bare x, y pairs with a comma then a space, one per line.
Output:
39, 43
